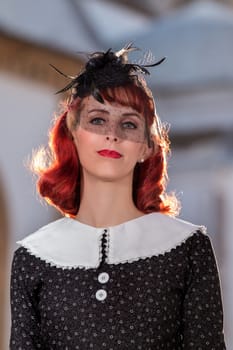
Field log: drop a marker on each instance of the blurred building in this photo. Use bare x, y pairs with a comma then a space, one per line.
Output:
193, 90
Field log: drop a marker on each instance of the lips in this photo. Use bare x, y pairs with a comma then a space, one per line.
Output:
109, 153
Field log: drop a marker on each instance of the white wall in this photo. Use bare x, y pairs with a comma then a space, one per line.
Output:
26, 113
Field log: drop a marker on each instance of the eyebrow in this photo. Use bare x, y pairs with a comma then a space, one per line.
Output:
123, 115
97, 110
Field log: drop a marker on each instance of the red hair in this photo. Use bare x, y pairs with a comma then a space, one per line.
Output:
59, 180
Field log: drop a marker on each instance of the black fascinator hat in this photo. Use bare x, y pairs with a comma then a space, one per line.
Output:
105, 69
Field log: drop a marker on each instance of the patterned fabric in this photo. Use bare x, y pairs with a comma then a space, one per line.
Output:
169, 301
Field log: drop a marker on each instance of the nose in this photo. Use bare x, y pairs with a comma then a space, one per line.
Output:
112, 138
113, 133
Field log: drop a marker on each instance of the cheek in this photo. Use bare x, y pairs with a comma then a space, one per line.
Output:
134, 152
84, 139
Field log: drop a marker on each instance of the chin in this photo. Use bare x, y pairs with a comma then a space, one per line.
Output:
110, 175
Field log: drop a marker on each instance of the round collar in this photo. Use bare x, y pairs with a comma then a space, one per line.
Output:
68, 243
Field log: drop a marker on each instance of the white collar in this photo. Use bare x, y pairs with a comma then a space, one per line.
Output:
68, 243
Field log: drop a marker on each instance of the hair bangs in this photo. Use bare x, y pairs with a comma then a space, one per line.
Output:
131, 95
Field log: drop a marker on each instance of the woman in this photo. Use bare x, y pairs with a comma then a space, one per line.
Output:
118, 271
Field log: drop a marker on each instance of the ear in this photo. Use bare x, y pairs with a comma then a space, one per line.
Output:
147, 151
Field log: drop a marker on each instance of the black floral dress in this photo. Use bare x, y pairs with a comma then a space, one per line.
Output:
150, 283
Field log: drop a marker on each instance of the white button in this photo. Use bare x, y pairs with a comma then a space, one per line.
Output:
101, 294
103, 277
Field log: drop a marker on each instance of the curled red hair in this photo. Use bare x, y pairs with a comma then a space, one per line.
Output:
59, 177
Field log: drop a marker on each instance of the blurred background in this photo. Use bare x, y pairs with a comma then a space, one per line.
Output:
193, 90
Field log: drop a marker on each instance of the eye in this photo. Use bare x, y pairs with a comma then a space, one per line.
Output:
129, 125
97, 121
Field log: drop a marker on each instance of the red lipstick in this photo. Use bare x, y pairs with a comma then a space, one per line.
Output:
109, 153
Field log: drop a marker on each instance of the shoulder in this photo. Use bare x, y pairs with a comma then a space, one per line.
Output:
175, 231
150, 235
59, 230
23, 261
65, 243
183, 237
159, 229
43, 238
199, 244
172, 224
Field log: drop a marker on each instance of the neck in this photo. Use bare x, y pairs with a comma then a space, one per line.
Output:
106, 203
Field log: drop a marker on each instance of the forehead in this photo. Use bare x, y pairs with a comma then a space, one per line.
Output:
91, 105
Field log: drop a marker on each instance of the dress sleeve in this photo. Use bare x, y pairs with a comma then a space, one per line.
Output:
202, 320
25, 320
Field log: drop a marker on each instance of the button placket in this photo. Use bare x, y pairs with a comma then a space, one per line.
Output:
103, 277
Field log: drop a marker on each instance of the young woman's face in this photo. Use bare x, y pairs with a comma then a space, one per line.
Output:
110, 139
